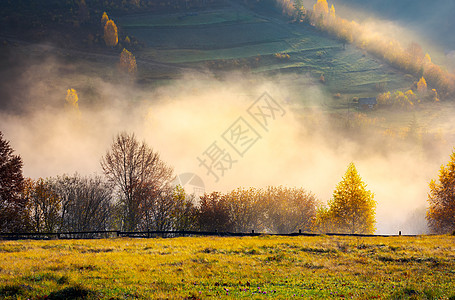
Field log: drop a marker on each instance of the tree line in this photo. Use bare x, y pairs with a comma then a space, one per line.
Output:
136, 194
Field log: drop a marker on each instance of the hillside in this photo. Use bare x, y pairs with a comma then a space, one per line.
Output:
434, 20
226, 35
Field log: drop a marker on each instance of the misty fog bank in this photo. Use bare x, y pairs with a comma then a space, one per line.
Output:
308, 146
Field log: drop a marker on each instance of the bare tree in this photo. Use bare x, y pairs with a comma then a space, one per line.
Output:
157, 210
185, 210
86, 202
171, 209
213, 213
44, 205
139, 175
289, 209
245, 209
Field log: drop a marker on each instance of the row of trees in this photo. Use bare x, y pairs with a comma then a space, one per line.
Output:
127, 62
407, 100
274, 209
136, 195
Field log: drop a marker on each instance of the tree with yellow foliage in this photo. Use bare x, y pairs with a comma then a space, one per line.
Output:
72, 100
384, 99
323, 221
352, 208
128, 62
332, 12
104, 19
441, 199
321, 8
422, 86
427, 59
110, 33
434, 95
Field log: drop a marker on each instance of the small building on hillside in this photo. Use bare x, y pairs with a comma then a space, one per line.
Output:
366, 103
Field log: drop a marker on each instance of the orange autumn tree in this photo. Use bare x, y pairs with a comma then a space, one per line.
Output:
110, 33
441, 199
128, 62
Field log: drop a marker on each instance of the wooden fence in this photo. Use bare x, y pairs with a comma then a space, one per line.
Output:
153, 234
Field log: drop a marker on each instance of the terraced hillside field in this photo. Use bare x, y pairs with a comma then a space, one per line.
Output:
236, 36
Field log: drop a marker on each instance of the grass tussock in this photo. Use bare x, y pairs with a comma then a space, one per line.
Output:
321, 267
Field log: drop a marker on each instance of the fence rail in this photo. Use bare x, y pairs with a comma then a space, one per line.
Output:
154, 234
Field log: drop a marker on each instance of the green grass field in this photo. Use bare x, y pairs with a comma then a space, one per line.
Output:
263, 267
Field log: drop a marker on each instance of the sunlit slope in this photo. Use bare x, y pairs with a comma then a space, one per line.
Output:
433, 19
204, 38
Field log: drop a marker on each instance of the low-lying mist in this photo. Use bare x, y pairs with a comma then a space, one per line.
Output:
308, 146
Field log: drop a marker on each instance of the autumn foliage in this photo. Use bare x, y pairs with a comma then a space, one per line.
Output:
411, 59
128, 62
104, 19
141, 180
136, 195
110, 33
72, 100
274, 209
441, 199
422, 86
321, 8
351, 209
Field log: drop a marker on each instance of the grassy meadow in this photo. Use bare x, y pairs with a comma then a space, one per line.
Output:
320, 267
